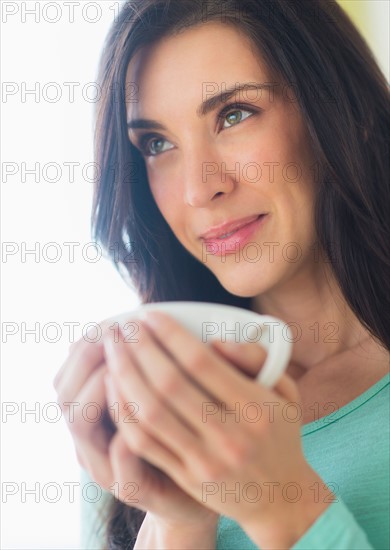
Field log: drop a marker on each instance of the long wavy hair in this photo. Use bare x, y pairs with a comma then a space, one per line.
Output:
313, 46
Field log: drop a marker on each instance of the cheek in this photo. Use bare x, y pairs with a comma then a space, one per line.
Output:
166, 201
259, 155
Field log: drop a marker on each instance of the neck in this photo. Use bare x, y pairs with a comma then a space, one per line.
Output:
322, 323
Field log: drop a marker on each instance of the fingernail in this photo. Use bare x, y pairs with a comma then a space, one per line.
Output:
151, 317
107, 339
110, 344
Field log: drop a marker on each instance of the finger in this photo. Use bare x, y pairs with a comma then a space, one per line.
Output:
198, 360
153, 415
77, 349
85, 424
214, 422
60, 373
127, 468
73, 346
288, 389
140, 483
249, 357
169, 382
140, 442
83, 361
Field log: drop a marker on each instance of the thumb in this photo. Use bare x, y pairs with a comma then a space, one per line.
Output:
249, 357
288, 389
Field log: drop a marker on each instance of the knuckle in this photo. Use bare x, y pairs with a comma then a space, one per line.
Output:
87, 351
121, 367
140, 442
261, 428
78, 425
213, 472
238, 453
118, 449
152, 414
79, 428
84, 352
170, 384
198, 360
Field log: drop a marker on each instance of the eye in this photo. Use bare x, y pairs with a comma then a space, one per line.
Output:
151, 146
235, 117
232, 117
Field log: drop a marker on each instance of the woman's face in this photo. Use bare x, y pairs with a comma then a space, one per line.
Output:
225, 162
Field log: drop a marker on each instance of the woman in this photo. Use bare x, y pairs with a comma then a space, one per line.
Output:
245, 164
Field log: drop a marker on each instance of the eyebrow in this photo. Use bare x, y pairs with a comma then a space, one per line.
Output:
144, 124
204, 108
216, 100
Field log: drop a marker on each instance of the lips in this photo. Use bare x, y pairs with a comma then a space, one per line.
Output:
225, 229
235, 240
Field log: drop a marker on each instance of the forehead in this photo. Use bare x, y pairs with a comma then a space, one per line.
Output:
208, 56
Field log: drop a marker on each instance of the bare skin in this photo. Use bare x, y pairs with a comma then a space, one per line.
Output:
265, 129
334, 361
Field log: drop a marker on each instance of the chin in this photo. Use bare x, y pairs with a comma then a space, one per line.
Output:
244, 287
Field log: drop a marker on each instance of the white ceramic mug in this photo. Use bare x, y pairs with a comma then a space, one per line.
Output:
209, 321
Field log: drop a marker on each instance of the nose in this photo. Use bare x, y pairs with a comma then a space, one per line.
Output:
205, 175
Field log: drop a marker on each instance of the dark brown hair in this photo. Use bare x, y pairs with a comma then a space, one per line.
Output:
313, 46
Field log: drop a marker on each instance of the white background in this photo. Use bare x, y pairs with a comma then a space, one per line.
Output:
46, 128
36, 451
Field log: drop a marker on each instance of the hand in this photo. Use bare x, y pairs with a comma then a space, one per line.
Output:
104, 453
184, 391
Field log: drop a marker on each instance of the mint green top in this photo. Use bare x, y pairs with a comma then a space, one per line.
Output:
350, 450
